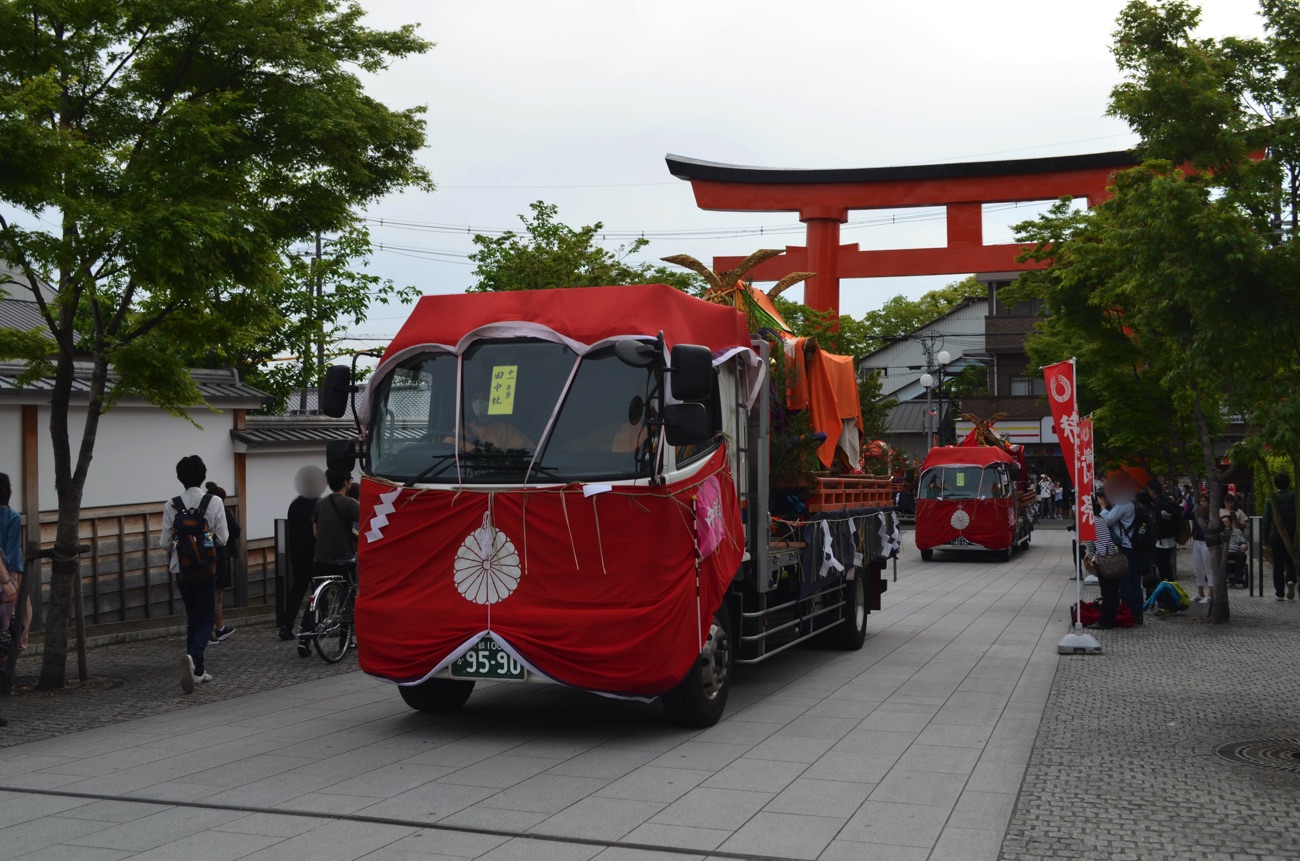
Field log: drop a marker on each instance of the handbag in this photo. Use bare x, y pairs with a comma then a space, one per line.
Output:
1110, 566
8, 588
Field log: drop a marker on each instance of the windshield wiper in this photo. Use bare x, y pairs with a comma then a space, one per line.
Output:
440, 462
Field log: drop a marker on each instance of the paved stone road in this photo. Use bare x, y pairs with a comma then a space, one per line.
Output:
956, 733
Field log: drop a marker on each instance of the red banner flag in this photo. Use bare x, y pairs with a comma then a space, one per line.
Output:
1086, 521
1065, 411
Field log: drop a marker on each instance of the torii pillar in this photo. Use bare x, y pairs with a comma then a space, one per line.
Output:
824, 198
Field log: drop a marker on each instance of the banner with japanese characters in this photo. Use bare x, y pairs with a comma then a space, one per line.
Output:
1065, 411
1086, 522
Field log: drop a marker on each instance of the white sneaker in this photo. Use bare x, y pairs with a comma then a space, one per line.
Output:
203, 679
187, 673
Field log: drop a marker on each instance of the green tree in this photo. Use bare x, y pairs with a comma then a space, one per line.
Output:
551, 254
1182, 284
163, 154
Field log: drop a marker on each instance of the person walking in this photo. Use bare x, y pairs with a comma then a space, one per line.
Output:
225, 554
300, 544
1200, 550
334, 523
198, 593
1279, 529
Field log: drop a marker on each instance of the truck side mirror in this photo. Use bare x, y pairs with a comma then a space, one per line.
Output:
334, 392
686, 424
691, 373
1015, 471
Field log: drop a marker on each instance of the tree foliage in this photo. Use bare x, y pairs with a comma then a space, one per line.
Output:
1181, 293
162, 156
549, 253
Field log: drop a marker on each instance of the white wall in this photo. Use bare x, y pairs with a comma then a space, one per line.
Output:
11, 452
136, 450
270, 486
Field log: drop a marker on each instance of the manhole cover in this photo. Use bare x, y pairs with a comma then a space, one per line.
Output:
1278, 753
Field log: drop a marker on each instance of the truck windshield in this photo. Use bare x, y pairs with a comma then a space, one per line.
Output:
530, 410
962, 482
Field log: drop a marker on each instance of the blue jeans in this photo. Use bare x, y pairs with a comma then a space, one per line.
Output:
200, 613
1130, 585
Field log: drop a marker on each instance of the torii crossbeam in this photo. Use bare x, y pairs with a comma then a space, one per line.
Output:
824, 198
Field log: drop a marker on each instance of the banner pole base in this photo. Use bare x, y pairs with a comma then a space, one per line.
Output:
1078, 644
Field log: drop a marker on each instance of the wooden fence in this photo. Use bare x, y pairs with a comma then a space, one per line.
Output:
124, 577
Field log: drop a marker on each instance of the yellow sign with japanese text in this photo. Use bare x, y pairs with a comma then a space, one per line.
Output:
501, 395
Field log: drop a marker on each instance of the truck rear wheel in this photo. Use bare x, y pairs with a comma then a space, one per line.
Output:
851, 632
438, 696
700, 699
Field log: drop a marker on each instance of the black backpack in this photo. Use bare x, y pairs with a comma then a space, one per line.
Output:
196, 552
1142, 534
1168, 519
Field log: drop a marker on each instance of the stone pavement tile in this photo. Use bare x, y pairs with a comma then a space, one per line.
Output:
269, 825
778, 709
1013, 728
49, 831
213, 844
428, 802
523, 849
761, 775
836, 799
653, 783
494, 818
713, 808
599, 818
627, 853
65, 852
875, 741
956, 735
678, 836
451, 844
387, 780
996, 777
360, 759
710, 755
165, 826
784, 835
730, 731
850, 850
946, 760
500, 771
920, 788
112, 811
327, 802
23, 763
111, 762
968, 844
794, 749
852, 766
247, 770
566, 744
175, 790
606, 762
271, 791
545, 793
895, 720
983, 810
459, 752
657, 738
895, 824
1012, 751
818, 726
333, 841
391, 853
965, 716
837, 707
16, 808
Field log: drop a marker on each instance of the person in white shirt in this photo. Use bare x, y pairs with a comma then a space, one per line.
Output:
199, 596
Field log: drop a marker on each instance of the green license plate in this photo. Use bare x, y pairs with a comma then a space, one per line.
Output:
487, 660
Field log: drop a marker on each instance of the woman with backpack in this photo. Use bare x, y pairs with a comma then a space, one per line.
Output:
1116, 509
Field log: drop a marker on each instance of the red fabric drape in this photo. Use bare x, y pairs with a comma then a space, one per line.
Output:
598, 592
990, 523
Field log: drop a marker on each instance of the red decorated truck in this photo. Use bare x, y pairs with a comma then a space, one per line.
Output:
968, 498
571, 486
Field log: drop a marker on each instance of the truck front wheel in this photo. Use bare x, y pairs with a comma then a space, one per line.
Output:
438, 696
851, 632
701, 697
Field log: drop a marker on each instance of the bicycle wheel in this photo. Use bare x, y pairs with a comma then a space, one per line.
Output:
333, 623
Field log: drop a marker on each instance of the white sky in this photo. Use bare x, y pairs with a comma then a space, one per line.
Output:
577, 102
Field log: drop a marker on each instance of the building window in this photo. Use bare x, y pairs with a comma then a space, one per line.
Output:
1026, 386
1032, 308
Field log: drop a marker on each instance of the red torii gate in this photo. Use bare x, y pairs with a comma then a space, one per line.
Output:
823, 199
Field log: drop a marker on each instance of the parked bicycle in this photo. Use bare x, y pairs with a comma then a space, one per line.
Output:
330, 614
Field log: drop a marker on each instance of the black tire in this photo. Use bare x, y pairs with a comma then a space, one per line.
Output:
701, 698
927, 555
851, 632
437, 696
333, 627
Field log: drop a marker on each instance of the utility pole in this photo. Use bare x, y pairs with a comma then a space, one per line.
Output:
316, 295
929, 341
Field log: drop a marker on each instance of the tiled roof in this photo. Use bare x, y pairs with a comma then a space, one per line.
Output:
218, 387
293, 431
